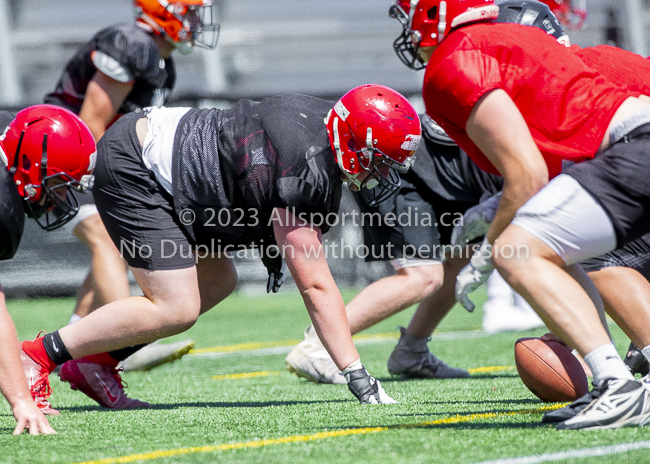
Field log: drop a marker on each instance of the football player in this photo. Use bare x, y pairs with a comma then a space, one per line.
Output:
180, 189
495, 113
442, 184
124, 68
46, 152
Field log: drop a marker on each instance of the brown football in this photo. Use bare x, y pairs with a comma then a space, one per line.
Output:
550, 370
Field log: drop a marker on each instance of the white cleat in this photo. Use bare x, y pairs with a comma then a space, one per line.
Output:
309, 359
155, 354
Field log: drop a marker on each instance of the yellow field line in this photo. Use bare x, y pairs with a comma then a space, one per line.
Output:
483, 370
316, 436
245, 347
245, 375
260, 345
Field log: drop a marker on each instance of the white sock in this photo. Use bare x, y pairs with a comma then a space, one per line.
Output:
646, 352
74, 318
355, 366
605, 363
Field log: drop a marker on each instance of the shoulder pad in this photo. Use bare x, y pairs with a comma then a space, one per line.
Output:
435, 133
111, 67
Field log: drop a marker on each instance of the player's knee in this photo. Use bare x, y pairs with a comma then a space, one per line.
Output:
182, 315
93, 233
426, 278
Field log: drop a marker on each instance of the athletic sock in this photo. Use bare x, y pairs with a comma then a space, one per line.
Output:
355, 366
55, 348
35, 350
646, 352
605, 363
124, 353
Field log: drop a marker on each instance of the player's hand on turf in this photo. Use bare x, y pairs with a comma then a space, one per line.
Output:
476, 221
366, 388
474, 274
30, 417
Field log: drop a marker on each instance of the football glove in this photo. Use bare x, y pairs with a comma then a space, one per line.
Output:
276, 268
474, 274
367, 389
476, 221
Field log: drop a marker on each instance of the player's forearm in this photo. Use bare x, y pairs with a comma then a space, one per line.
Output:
327, 312
12, 379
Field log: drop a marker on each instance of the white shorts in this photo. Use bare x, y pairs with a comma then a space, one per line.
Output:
85, 211
403, 263
568, 219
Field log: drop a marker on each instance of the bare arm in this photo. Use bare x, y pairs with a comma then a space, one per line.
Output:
317, 287
103, 99
12, 379
498, 128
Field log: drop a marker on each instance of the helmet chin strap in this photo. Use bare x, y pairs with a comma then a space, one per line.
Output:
442, 22
351, 178
4, 161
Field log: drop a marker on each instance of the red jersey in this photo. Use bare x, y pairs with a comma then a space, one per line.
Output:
620, 67
566, 104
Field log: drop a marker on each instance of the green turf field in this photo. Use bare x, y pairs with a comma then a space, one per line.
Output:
204, 410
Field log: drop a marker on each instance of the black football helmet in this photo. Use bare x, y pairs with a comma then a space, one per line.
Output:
532, 13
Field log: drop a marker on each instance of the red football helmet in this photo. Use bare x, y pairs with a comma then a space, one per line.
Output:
571, 13
426, 23
372, 128
184, 23
49, 151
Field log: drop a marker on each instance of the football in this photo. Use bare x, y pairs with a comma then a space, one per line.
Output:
550, 370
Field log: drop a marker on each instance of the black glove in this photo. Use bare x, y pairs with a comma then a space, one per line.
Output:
275, 266
367, 389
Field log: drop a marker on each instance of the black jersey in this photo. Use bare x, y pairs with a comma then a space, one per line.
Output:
12, 214
125, 53
233, 167
451, 174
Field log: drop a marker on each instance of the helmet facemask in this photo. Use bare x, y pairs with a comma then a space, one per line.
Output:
51, 203
407, 45
377, 186
57, 204
199, 26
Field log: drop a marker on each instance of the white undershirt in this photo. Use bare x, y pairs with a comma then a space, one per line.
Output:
159, 142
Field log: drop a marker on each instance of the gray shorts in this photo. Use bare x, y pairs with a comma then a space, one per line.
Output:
569, 220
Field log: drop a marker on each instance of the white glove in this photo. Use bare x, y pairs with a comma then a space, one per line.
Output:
474, 274
476, 221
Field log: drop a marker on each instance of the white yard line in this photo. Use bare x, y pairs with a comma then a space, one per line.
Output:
573, 454
222, 351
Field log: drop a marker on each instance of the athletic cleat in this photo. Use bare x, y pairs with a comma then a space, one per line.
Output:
636, 362
411, 358
101, 383
499, 317
155, 354
366, 388
572, 410
625, 403
39, 383
310, 360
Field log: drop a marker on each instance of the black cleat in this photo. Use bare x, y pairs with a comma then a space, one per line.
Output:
636, 362
625, 403
572, 410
